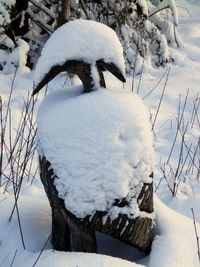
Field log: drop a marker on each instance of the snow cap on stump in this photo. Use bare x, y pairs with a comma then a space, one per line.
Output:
84, 40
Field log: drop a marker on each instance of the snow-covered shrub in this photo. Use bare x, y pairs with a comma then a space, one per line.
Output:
41, 24
146, 28
13, 51
6, 46
12, 55
17, 58
5, 13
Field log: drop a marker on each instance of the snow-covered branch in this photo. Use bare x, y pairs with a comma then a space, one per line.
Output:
43, 8
40, 22
163, 5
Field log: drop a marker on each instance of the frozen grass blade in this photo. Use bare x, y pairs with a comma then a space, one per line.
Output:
26, 146
185, 169
140, 79
13, 258
6, 257
41, 251
2, 138
196, 234
159, 81
161, 98
134, 68
179, 121
17, 149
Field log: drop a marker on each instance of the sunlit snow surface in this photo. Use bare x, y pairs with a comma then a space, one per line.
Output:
175, 243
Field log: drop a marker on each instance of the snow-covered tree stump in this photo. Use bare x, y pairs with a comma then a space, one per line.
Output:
67, 228
95, 145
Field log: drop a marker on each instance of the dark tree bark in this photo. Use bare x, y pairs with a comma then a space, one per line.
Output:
65, 12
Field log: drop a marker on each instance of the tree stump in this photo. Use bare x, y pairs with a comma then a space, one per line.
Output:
71, 233
96, 145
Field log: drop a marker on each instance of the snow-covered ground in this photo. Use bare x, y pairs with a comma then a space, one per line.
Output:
175, 241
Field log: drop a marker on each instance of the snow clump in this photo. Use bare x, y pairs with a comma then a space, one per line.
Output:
99, 146
84, 40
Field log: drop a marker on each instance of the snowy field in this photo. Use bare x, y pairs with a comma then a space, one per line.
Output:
172, 95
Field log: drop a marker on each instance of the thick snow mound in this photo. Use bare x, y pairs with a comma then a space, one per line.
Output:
72, 259
175, 245
5, 5
100, 147
80, 40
